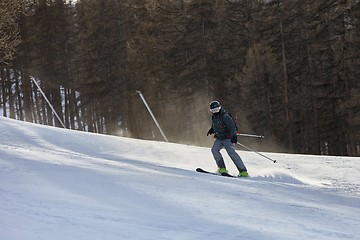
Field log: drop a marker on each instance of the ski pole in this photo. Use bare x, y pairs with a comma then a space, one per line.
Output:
250, 135
274, 161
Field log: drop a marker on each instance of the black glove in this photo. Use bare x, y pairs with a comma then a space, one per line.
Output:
211, 131
234, 139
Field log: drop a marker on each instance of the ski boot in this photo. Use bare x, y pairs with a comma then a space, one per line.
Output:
221, 171
243, 174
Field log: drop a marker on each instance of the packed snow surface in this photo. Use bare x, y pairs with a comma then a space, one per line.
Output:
58, 184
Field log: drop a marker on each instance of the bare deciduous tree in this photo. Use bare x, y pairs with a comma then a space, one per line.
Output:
9, 30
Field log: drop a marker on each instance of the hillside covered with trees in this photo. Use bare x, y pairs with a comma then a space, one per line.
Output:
289, 70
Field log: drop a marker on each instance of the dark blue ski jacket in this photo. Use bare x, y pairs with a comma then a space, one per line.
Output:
223, 125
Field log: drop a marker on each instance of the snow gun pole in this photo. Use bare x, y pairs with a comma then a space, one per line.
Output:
274, 161
152, 115
47, 100
250, 135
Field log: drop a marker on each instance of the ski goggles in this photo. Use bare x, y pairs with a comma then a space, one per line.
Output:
215, 110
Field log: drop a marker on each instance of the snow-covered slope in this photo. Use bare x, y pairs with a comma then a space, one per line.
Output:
63, 184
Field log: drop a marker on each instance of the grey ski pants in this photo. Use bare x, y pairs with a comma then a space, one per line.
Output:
230, 149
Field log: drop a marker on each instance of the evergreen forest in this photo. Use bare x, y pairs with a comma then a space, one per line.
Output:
285, 69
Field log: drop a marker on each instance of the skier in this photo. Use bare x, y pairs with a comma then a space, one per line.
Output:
223, 126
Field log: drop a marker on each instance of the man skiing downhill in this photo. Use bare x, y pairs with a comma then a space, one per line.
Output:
223, 127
